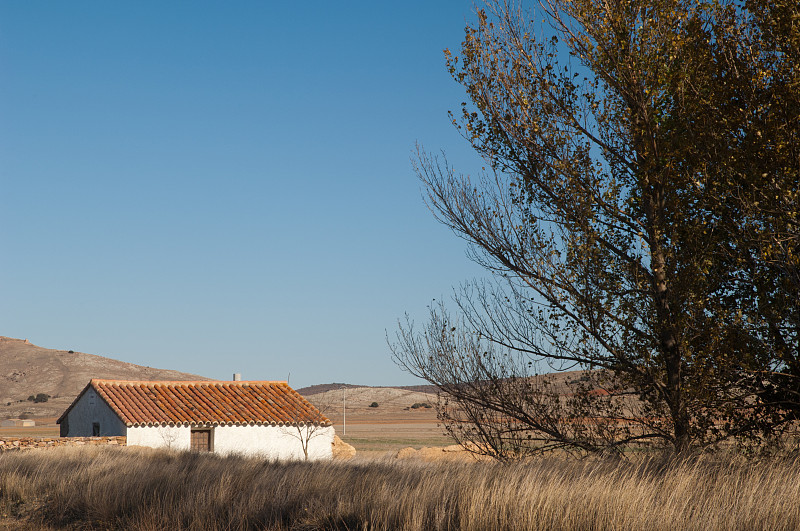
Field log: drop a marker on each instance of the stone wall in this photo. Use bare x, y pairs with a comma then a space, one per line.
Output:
22, 443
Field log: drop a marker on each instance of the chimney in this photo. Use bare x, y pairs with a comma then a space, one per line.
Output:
237, 377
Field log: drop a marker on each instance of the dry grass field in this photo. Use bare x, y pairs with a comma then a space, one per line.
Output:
140, 489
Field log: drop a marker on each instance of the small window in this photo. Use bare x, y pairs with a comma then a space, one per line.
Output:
95, 429
201, 440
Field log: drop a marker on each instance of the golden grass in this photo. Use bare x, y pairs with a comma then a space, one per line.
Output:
128, 488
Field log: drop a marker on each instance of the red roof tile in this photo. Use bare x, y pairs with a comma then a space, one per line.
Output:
139, 403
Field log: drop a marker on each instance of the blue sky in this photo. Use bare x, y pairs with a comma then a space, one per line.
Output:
225, 187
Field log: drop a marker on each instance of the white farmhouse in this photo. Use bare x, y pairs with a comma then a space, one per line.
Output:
266, 419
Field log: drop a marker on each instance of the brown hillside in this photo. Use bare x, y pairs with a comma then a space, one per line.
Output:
26, 369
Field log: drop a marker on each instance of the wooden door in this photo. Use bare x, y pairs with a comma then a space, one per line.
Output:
201, 440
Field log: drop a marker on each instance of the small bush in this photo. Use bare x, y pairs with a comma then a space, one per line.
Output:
417, 405
374, 404
41, 397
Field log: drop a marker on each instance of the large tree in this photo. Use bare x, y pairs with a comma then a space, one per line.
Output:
756, 155
628, 155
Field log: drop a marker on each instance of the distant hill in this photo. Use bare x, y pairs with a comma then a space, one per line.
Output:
560, 379
28, 370
324, 388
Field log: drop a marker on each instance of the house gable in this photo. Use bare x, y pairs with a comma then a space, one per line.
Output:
90, 415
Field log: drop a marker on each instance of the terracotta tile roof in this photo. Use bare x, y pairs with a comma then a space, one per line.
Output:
142, 403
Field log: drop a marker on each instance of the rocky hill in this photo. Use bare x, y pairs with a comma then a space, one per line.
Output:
28, 370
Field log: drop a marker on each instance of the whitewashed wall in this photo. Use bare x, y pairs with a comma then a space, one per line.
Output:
172, 437
272, 442
89, 409
267, 442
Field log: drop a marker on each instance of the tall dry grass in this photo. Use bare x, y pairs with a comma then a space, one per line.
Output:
126, 488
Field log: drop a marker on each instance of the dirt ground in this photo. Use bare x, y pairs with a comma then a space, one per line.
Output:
45, 427
394, 424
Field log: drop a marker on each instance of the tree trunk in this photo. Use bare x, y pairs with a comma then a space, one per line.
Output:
671, 352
